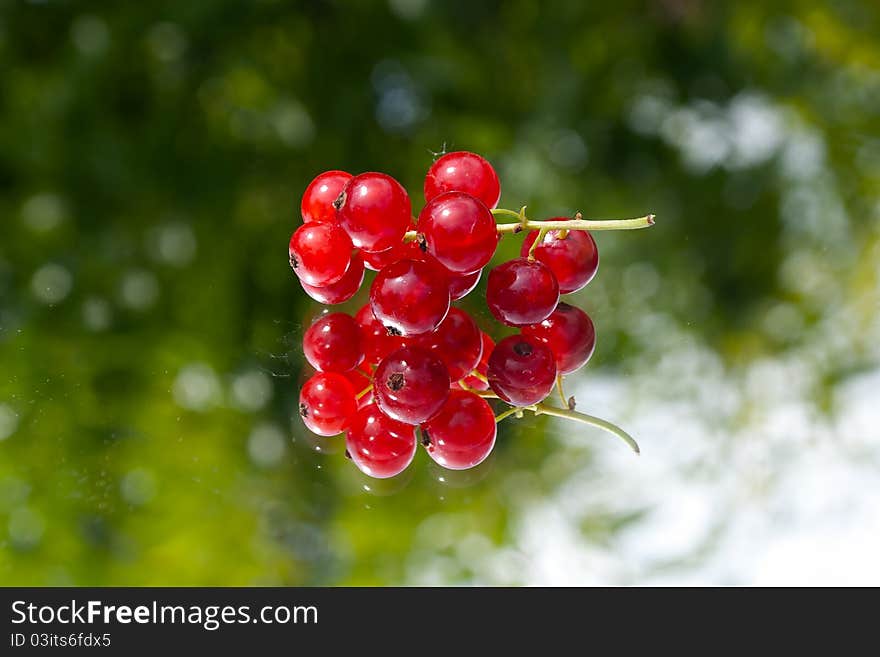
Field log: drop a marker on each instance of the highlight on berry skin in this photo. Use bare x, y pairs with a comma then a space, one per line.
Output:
408, 368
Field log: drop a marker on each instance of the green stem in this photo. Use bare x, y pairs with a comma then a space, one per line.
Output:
561, 390
524, 223
364, 391
510, 411
583, 418
577, 224
538, 240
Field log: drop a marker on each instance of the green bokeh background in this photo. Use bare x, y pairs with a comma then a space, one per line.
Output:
152, 156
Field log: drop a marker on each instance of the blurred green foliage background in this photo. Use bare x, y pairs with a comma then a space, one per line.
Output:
152, 156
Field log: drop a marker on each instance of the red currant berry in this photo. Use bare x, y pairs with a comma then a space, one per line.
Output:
456, 342
521, 371
317, 201
410, 297
463, 172
474, 382
327, 403
463, 433
411, 385
333, 343
460, 285
569, 333
374, 337
573, 259
459, 231
380, 446
374, 210
521, 292
343, 289
320, 254
359, 380
381, 259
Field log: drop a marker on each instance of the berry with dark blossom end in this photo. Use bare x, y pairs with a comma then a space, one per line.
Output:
380, 446
374, 209
327, 403
521, 292
319, 254
410, 297
333, 343
521, 370
573, 259
317, 201
343, 289
410, 384
463, 172
570, 335
456, 342
376, 341
462, 434
459, 231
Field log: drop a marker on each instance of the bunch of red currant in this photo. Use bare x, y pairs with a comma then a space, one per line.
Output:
410, 360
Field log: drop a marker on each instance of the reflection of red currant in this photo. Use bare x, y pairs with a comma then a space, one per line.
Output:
408, 357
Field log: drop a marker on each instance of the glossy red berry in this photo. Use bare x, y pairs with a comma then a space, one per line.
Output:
376, 341
569, 333
462, 434
374, 209
521, 370
327, 403
573, 260
474, 382
343, 289
320, 254
359, 380
380, 446
459, 231
457, 342
521, 292
411, 385
463, 172
333, 343
410, 297
317, 201
460, 285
